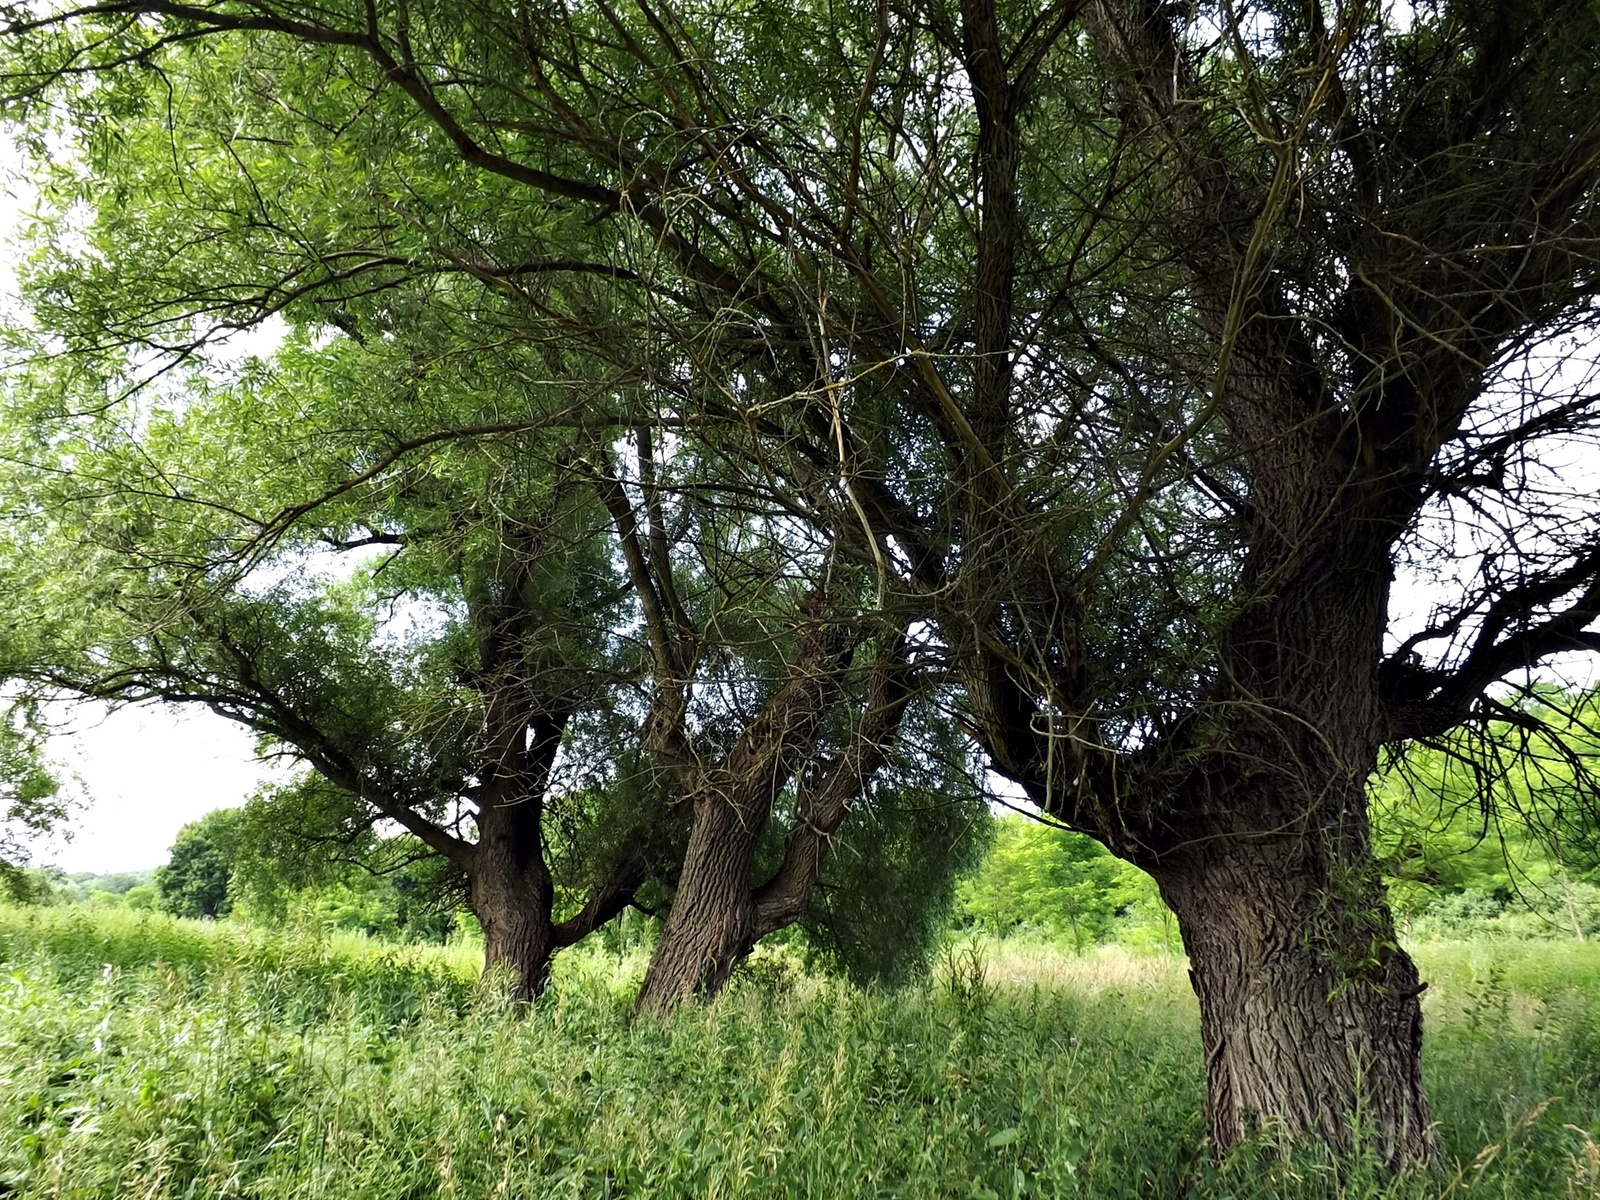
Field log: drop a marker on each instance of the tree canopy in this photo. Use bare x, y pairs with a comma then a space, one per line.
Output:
1049, 879
471, 676
194, 881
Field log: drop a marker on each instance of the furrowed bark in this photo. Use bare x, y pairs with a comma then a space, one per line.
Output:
712, 924
512, 901
1255, 824
1309, 1010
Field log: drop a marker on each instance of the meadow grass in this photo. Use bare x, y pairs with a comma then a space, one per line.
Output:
143, 1056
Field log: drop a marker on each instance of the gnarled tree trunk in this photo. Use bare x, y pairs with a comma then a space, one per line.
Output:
512, 901
1309, 1006
712, 925
1309, 1011
719, 913
511, 892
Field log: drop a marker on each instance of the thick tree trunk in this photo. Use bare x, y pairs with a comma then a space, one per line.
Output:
1309, 1008
512, 894
717, 915
713, 921
513, 905
514, 898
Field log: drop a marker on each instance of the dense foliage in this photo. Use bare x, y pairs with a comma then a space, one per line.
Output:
1051, 880
1494, 826
194, 881
31, 799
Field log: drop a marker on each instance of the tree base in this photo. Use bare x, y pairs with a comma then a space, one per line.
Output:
1309, 1009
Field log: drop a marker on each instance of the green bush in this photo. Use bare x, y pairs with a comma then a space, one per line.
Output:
194, 881
1037, 877
1558, 913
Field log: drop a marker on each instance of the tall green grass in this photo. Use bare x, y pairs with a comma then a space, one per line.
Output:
141, 1056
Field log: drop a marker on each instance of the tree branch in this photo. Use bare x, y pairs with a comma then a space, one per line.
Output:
825, 801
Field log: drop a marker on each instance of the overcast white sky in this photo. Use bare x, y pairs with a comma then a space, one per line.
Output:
145, 773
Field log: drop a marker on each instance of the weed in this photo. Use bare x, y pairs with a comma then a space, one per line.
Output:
218, 1060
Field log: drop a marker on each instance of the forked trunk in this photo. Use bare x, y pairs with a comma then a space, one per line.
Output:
1309, 1010
713, 921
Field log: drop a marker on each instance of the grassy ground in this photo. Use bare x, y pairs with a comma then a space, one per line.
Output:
141, 1056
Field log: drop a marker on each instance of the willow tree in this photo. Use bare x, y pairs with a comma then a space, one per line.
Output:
195, 549
1132, 347
439, 628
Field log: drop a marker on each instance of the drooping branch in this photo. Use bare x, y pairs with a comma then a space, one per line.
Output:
1424, 702
265, 710
577, 417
